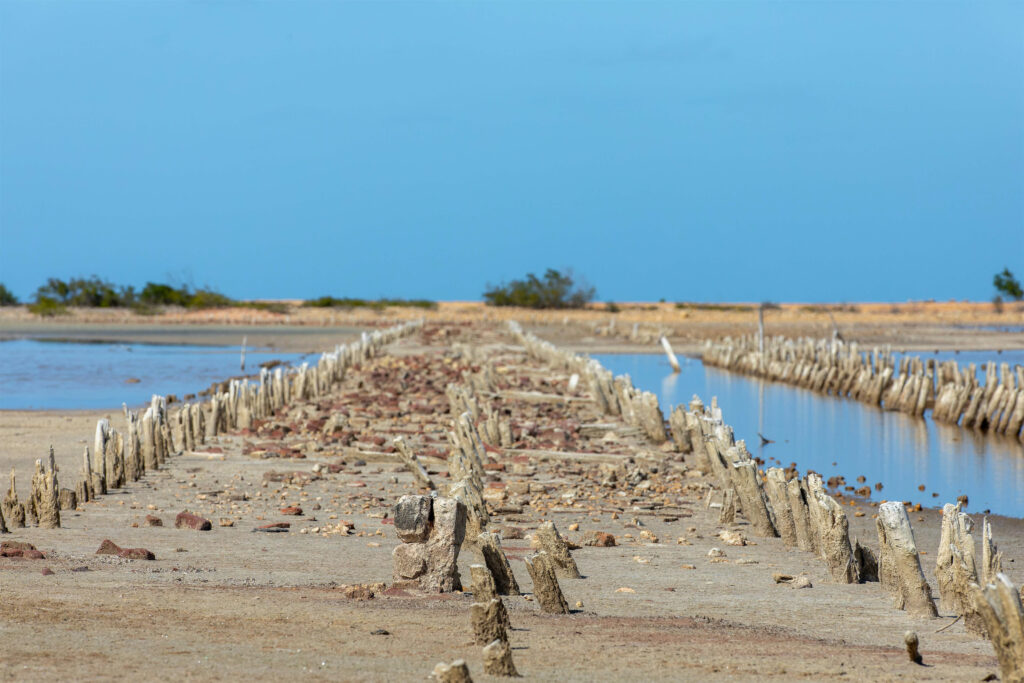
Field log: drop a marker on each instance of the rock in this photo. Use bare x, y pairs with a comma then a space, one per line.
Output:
489, 621
363, 591
730, 537
801, 582
274, 528
410, 561
46, 571
294, 510
186, 520
443, 545
412, 516
108, 547
153, 520
498, 659
456, 672
136, 554
716, 552
600, 539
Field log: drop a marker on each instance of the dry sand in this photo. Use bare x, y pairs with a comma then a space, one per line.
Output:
232, 604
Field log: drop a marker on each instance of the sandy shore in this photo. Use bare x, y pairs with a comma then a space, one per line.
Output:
230, 603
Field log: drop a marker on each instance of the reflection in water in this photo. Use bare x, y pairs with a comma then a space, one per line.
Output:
65, 375
815, 431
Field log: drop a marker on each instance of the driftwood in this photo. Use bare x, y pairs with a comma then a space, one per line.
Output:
413, 464
899, 567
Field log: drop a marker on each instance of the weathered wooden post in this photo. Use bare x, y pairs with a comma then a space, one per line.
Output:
899, 566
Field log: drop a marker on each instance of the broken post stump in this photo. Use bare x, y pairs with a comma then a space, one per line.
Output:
545, 583
899, 566
498, 660
999, 605
489, 620
489, 545
550, 541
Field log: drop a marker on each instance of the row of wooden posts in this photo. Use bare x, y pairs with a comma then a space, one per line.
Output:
906, 384
118, 458
804, 516
802, 513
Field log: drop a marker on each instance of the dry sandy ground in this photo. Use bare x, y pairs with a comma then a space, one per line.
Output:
232, 603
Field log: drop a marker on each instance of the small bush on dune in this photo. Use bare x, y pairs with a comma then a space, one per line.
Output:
7, 297
554, 290
376, 304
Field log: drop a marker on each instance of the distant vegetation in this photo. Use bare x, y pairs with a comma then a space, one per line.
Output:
375, 304
56, 295
7, 297
692, 306
1007, 285
555, 290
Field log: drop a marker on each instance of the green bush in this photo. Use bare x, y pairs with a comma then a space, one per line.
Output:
7, 297
91, 292
47, 307
376, 304
1006, 284
555, 290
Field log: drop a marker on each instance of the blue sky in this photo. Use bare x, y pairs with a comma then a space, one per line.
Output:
797, 151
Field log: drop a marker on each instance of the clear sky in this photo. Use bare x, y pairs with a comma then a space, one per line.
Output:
812, 151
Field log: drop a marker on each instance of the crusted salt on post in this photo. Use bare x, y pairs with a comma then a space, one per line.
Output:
489, 545
489, 620
899, 566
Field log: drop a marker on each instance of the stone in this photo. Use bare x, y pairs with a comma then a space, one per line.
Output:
498, 659
443, 545
293, 510
108, 547
545, 583
489, 620
153, 520
186, 520
410, 561
412, 516
600, 539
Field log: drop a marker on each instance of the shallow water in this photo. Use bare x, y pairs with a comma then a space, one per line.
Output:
843, 437
67, 375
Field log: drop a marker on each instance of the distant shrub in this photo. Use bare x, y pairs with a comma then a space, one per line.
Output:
555, 290
689, 305
1006, 284
91, 292
158, 294
268, 306
7, 297
611, 307
47, 307
376, 304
